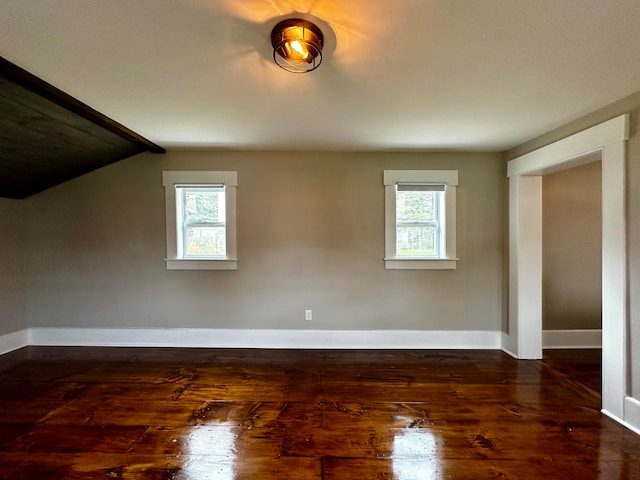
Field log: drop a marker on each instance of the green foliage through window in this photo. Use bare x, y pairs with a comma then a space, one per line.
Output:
203, 221
417, 223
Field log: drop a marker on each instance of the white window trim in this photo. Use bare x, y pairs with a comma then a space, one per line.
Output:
448, 259
230, 180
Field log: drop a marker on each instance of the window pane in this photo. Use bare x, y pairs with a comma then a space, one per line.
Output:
204, 205
416, 206
417, 241
205, 241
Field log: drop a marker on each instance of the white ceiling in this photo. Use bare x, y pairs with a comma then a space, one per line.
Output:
396, 74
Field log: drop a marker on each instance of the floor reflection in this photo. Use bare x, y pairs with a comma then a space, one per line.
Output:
413, 444
212, 452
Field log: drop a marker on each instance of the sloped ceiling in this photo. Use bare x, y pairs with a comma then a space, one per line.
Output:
48, 137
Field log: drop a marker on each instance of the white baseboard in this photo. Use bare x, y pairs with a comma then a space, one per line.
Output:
13, 341
203, 337
505, 344
572, 339
632, 414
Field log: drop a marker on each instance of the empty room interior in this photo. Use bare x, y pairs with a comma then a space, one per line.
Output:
311, 239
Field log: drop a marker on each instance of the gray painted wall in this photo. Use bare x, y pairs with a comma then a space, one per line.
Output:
310, 236
572, 248
630, 105
12, 289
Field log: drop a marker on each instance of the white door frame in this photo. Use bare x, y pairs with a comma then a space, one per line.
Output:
605, 142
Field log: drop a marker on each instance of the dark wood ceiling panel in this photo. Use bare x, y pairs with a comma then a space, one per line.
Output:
48, 137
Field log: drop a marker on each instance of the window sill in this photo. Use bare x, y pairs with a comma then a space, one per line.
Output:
420, 263
202, 264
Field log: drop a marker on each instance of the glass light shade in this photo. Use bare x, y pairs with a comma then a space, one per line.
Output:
297, 45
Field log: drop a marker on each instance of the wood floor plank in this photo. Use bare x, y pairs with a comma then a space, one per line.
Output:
97, 412
249, 415
95, 466
426, 415
69, 439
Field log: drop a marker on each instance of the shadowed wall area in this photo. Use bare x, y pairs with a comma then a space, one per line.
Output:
12, 289
572, 248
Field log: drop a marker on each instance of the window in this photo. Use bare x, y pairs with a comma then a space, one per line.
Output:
201, 220
420, 219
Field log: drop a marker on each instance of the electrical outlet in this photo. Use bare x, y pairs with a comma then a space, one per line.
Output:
308, 315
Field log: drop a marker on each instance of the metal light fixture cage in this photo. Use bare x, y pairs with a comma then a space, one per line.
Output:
297, 45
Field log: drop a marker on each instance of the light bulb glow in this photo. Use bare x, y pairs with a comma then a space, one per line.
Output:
299, 48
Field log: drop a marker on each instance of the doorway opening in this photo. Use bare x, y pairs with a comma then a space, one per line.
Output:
572, 273
605, 142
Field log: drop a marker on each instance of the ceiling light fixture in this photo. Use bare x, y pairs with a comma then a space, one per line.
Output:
297, 45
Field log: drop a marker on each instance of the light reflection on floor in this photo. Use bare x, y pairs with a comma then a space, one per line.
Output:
416, 455
213, 453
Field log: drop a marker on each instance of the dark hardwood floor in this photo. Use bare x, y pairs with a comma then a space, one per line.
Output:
583, 366
202, 414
